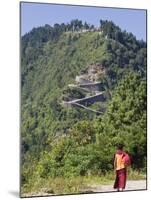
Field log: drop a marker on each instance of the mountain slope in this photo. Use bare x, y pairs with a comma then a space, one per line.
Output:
51, 59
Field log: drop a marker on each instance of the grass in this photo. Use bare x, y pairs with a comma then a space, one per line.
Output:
60, 185
136, 174
55, 186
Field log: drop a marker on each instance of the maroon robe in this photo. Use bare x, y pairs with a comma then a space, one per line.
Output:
121, 175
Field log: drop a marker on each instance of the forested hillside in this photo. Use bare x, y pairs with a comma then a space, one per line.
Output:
57, 141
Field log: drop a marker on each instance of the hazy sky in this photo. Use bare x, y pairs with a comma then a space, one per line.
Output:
36, 14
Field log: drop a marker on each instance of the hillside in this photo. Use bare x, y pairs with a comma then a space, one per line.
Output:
51, 60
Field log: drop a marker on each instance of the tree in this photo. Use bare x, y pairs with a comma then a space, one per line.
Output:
125, 119
86, 26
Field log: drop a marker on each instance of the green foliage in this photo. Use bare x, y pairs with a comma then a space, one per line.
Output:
125, 119
59, 142
73, 93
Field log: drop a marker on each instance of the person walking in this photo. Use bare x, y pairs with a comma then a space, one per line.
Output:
121, 161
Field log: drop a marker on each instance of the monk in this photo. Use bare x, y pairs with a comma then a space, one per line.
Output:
120, 168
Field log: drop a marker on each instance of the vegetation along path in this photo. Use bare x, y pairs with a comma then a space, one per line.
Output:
131, 185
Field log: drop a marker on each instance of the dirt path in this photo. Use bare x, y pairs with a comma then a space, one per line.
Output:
131, 185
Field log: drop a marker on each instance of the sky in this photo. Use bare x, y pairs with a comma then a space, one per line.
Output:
39, 14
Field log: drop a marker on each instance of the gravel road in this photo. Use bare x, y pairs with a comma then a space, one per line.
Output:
131, 185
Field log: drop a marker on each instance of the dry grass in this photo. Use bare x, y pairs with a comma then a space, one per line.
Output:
60, 185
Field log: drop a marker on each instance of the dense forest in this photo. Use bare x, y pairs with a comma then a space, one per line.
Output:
57, 141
